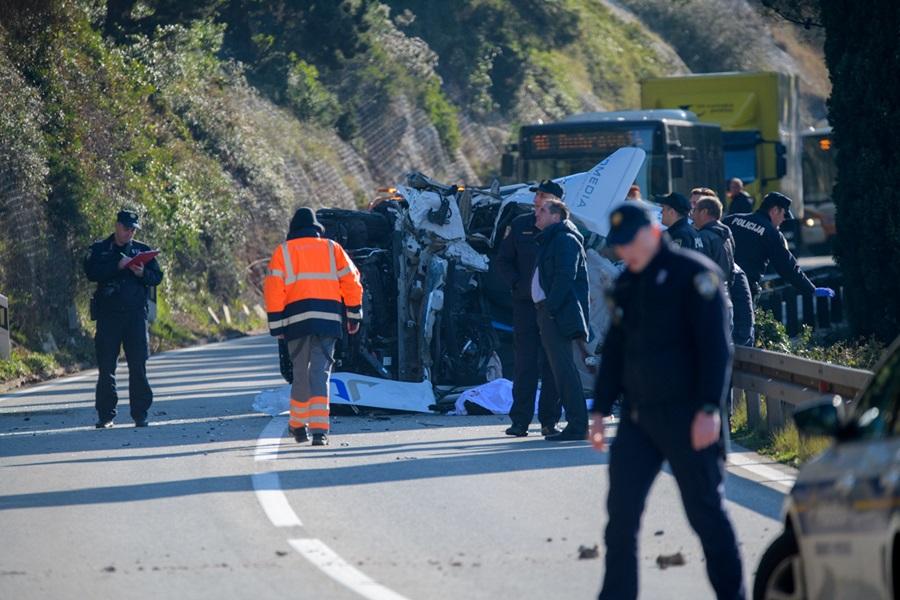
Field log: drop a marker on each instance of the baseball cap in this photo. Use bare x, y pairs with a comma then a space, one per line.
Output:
129, 218
681, 204
625, 222
777, 199
548, 186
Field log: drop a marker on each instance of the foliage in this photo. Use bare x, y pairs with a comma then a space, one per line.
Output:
23, 363
860, 47
834, 347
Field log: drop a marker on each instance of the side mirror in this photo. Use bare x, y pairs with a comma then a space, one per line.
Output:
825, 416
780, 160
507, 165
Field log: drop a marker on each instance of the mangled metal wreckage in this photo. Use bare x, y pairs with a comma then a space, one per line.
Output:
437, 316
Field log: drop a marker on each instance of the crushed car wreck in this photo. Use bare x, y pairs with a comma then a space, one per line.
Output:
434, 309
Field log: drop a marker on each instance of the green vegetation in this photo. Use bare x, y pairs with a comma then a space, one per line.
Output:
784, 445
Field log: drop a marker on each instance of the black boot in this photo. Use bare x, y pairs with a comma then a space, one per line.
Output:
300, 434
319, 439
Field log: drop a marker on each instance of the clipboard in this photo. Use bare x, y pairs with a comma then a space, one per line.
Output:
142, 258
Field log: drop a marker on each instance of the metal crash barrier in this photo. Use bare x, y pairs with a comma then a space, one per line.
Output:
5, 346
782, 381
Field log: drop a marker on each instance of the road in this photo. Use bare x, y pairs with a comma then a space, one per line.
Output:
212, 501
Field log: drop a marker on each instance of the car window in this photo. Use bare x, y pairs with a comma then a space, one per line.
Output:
876, 412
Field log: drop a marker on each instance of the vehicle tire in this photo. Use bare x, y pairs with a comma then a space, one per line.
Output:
780, 574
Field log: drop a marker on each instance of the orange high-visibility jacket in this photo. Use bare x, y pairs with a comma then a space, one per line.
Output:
310, 285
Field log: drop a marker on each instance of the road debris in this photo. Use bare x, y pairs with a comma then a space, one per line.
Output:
664, 561
586, 552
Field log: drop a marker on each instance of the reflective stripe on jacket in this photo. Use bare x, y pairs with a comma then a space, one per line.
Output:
311, 284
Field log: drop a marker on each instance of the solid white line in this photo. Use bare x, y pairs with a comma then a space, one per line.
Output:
267, 484
323, 557
268, 491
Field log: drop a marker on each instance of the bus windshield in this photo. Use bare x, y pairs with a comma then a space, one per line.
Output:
558, 153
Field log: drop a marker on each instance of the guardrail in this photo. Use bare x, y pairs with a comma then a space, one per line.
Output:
795, 309
782, 381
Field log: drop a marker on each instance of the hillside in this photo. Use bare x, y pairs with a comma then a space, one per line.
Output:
219, 117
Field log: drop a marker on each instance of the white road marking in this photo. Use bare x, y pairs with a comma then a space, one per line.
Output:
323, 557
267, 484
275, 504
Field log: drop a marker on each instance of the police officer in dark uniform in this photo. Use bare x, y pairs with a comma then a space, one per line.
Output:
676, 209
757, 241
667, 355
515, 263
120, 307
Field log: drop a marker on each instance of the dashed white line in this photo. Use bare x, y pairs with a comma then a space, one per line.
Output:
275, 504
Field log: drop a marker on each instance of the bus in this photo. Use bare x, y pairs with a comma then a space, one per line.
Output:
819, 175
682, 152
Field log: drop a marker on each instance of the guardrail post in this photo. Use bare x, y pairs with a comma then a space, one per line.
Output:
837, 305
790, 305
5, 345
753, 417
823, 312
809, 314
774, 414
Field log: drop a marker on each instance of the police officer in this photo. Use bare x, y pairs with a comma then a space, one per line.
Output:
515, 263
718, 245
757, 241
667, 354
559, 289
120, 306
675, 211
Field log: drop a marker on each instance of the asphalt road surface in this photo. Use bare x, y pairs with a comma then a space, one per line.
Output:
214, 501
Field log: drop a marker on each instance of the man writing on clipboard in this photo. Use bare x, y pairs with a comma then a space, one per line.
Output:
124, 270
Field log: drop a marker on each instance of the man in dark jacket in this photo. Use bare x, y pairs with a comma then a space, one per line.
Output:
675, 211
741, 201
120, 307
667, 355
757, 241
559, 289
515, 263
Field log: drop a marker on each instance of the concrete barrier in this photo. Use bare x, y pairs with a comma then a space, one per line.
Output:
5, 346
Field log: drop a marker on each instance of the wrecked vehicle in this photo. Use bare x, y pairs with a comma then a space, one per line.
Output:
435, 311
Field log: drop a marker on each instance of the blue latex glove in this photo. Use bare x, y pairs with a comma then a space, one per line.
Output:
824, 293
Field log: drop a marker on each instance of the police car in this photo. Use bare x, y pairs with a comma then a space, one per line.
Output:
842, 518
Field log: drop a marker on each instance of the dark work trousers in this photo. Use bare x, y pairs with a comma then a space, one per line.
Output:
742, 334
636, 457
115, 330
531, 365
560, 353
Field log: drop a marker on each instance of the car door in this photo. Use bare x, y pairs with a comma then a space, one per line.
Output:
851, 511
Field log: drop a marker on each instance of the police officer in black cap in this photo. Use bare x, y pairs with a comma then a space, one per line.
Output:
675, 211
667, 354
120, 307
515, 263
757, 241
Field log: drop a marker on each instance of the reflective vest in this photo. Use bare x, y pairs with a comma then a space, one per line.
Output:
310, 285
